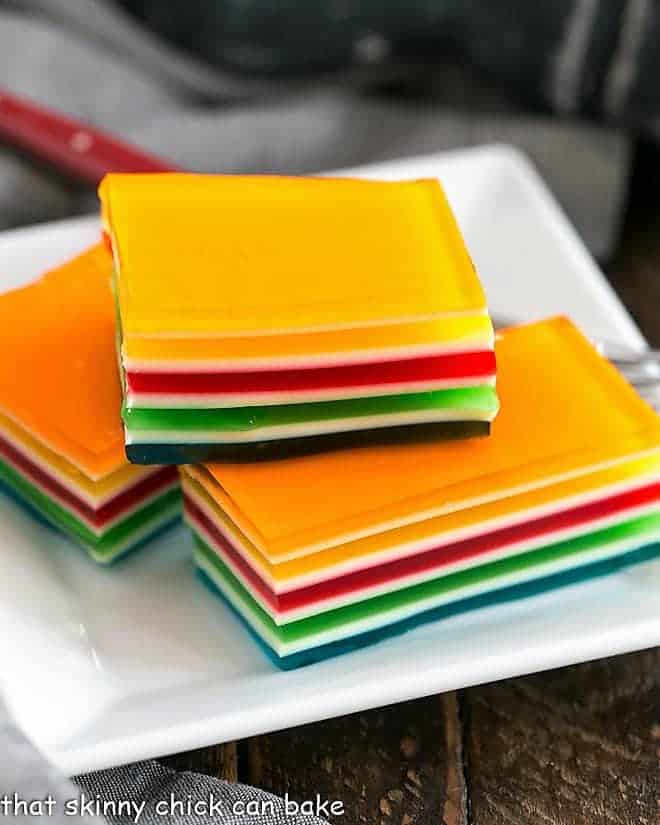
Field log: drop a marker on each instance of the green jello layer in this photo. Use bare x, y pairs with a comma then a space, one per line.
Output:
479, 401
105, 546
337, 621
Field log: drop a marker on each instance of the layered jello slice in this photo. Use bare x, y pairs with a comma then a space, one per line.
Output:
61, 440
321, 554
264, 316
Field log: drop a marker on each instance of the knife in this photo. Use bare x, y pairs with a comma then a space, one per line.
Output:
73, 148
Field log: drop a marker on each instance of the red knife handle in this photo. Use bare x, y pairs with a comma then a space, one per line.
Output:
70, 146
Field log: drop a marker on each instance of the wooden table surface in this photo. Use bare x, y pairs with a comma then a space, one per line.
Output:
576, 745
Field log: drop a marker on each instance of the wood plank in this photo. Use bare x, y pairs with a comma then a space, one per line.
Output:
567, 747
400, 764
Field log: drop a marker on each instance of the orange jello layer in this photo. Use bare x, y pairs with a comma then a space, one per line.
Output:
59, 380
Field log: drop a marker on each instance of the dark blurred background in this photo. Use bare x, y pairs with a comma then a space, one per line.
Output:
303, 86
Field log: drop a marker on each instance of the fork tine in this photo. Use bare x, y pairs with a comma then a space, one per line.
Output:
616, 354
650, 394
639, 381
652, 400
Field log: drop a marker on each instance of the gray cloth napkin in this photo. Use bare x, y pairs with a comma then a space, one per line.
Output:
92, 60
161, 795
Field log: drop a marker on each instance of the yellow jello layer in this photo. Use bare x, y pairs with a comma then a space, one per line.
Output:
219, 255
475, 331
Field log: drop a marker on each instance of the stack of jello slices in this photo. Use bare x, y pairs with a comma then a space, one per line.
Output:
265, 316
61, 441
320, 554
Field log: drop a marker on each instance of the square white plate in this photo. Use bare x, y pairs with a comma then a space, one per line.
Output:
103, 667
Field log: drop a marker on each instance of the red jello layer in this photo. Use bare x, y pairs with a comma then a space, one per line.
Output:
454, 366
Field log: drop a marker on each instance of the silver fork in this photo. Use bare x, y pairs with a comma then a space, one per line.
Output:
640, 367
